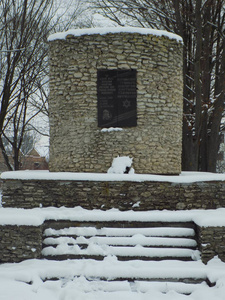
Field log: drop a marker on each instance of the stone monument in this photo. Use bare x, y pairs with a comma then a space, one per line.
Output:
115, 92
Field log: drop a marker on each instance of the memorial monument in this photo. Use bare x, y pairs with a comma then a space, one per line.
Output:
115, 92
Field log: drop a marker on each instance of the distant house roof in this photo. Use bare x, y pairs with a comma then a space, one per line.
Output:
31, 161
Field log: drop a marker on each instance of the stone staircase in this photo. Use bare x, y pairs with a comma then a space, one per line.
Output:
136, 240
159, 253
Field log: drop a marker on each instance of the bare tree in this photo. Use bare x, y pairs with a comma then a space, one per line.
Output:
24, 28
201, 23
21, 62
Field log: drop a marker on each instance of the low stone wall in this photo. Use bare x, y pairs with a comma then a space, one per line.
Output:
18, 243
123, 195
211, 242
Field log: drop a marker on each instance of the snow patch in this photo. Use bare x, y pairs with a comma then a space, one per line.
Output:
137, 204
111, 129
121, 165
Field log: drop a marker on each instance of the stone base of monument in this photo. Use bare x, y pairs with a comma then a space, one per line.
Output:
27, 189
100, 193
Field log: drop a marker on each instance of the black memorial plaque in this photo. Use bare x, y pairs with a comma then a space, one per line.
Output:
117, 98
127, 98
107, 108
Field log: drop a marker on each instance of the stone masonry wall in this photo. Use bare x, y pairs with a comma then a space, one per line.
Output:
147, 195
77, 144
18, 243
211, 242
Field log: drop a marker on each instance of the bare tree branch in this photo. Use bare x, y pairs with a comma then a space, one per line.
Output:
25, 26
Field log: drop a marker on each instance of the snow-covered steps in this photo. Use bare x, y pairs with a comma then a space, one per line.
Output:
111, 271
145, 241
111, 279
132, 255
136, 286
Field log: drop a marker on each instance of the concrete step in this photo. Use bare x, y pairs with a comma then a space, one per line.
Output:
137, 286
121, 231
138, 239
59, 224
124, 252
145, 273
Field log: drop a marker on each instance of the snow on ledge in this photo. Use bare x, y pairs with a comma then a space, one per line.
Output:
37, 216
111, 129
106, 30
184, 177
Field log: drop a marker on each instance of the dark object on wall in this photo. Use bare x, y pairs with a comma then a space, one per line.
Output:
117, 98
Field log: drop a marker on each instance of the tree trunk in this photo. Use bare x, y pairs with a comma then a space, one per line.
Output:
5, 156
219, 106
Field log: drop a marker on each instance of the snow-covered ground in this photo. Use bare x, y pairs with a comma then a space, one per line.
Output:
37, 280
78, 279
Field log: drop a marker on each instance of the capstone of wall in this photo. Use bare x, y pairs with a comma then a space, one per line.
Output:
77, 144
123, 195
18, 243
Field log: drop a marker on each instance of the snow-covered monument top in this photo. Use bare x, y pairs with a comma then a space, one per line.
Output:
106, 30
115, 92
